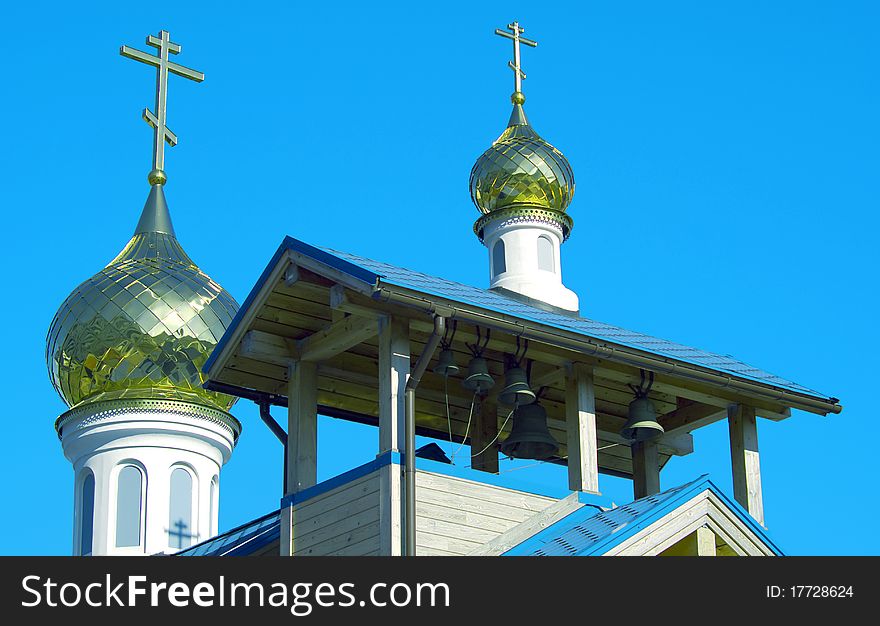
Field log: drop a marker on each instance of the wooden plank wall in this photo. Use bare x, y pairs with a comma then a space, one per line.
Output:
342, 522
455, 516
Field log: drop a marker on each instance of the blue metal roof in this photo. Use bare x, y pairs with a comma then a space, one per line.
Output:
240, 541
371, 272
500, 303
592, 532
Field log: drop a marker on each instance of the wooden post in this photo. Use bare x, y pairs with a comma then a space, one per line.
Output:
394, 368
745, 460
302, 426
646, 469
701, 542
483, 430
391, 510
580, 414
302, 441
705, 542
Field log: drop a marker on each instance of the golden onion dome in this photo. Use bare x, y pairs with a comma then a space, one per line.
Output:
521, 174
143, 326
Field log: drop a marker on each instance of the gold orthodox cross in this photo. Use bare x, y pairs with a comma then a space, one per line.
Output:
514, 34
163, 65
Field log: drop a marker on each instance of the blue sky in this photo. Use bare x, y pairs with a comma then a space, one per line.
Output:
726, 164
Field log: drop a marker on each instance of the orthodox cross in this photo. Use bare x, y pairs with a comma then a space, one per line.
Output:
156, 119
178, 534
514, 34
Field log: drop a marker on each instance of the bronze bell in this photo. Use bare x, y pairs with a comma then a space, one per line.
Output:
446, 363
641, 424
516, 390
530, 438
478, 379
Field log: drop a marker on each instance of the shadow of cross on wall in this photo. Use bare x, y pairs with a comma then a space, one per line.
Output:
178, 538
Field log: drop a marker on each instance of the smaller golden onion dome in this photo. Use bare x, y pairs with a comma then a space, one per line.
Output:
520, 169
142, 327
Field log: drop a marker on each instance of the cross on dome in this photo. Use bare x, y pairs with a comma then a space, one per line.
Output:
157, 119
518, 75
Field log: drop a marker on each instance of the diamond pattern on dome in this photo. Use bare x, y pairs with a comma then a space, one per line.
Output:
521, 169
140, 328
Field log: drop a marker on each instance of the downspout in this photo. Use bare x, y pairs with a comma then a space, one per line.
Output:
409, 477
266, 415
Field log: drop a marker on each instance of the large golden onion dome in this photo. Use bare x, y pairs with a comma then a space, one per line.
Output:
522, 175
143, 326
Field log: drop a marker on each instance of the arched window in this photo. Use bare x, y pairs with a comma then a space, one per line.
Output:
212, 523
499, 266
129, 497
180, 522
545, 254
87, 516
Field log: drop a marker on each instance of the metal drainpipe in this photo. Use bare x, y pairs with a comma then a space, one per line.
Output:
275, 427
409, 478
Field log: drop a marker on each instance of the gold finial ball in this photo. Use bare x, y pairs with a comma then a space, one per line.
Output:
157, 177
518, 97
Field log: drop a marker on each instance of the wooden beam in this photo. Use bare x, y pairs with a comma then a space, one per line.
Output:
646, 469
484, 430
264, 346
548, 378
745, 460
580, 410
343, 300
691, 416
302, 427
394, 368
338, 337
291, 275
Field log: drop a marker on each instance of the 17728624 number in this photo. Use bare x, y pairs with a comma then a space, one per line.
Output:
810, 591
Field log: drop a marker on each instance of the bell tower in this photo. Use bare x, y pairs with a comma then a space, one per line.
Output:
125, 352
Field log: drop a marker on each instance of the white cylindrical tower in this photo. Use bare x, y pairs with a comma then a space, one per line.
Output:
146, 440
147, 471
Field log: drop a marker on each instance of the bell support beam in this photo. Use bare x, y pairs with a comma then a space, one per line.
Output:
302, 441
646, 468
745, 459
690, 416
338, 337
484, 431
580, 410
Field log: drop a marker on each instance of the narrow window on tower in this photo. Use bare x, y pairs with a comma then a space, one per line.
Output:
87, 517
180, 523
499, 265
545, 254
129, 509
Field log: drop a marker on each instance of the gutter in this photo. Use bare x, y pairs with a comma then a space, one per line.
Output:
619, 354
412, 382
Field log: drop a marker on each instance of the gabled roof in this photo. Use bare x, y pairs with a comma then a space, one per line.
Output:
614, 342
241, 541
589, 531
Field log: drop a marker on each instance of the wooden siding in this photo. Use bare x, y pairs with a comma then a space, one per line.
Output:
341, 522
455, 516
